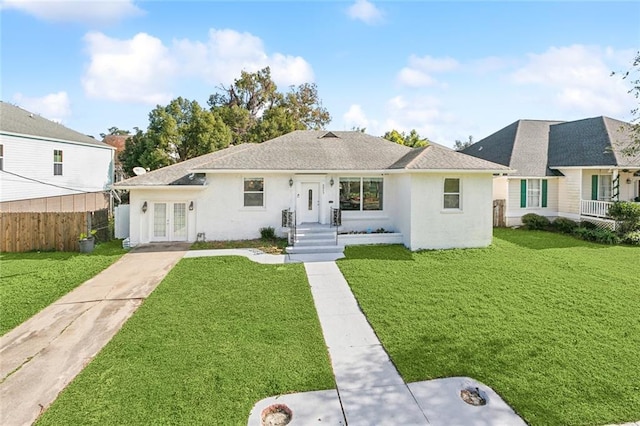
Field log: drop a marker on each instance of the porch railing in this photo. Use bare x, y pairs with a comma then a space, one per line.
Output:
289, 221
595, 208
336, 220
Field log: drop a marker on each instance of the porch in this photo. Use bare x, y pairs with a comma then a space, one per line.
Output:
596, 209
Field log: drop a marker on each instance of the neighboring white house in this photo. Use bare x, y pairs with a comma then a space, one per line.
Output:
45, 166
431, 197
570, 169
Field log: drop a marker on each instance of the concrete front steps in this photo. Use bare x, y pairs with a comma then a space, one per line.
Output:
315, 239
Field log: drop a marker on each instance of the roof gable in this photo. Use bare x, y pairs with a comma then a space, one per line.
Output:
16, 120
523, 146
598, 141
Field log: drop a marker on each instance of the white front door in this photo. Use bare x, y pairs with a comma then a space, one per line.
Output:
169, 222
309, 202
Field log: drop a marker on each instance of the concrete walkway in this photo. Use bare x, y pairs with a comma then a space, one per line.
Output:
40, 357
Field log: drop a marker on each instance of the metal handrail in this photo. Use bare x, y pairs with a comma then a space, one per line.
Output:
336, 220
289, 221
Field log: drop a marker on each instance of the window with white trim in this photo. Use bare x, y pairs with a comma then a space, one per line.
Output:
451, 197
57, 162
361, 193
254, 192
604, 187
533, 192
1, 156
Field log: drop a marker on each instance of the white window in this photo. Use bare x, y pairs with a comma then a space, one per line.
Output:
359, 194
254, 192
533, 192
451, 199
57, 162
604, 187
1, 157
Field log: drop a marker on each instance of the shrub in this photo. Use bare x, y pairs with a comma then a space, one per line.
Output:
564, 225
626, 215
535, 221
267, 233
602, 236
632, 238
588, 225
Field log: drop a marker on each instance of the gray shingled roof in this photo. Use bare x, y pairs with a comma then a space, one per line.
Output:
179, 173
437, 157
598, 141
14, 119
522, 145
308, 150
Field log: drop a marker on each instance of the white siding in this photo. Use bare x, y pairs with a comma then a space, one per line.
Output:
432, 227
500, 187
514, 212
85, 168
569, 193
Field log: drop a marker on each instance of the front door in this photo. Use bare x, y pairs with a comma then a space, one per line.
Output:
169, 222
309, 202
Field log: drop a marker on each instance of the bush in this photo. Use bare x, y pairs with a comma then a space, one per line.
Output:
564, 225
268, 233
602, 236
632, 238
535, 221
626, 215
588, 225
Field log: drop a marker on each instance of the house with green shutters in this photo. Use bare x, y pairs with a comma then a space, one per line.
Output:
574, 169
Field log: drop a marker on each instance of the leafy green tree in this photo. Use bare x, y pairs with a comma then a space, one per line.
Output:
176, 132
115, 131
413, 139
254, 109
459, 145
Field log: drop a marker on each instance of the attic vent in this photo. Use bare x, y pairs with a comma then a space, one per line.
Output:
329, 135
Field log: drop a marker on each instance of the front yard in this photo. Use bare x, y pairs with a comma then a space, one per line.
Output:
31, 281
216, 336
548, 321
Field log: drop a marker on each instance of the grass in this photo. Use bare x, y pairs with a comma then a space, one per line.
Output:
271, 246
215, 337
548, 321
31, 281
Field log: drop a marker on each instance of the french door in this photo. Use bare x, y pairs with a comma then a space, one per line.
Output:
169, 222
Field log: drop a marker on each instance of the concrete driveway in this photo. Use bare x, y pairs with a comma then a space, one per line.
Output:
40, 357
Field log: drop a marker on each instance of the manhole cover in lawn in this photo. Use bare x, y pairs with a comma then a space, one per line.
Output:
276, 415
473, 396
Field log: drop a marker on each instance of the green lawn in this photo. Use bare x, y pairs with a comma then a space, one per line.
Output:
216, 336
31, 281
550, 322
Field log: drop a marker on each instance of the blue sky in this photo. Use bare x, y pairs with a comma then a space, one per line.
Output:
447, 69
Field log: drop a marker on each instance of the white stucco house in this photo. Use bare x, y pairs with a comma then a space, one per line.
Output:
429, 198
573, 169
45, 166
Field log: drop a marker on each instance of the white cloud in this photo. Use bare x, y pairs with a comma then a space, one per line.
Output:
578, 78
355, 117
419, 71
54, 106
83, 11
365, 11
226, 52
426, 114
135, 70
143, 69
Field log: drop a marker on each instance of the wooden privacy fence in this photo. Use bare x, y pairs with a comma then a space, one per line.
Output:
50, 231
499, 219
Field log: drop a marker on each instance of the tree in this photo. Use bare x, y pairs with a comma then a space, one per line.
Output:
633, 77
176, 132
255, 111
413, 139
459, 145
115, 131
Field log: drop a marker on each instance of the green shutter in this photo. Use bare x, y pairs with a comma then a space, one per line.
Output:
594, 187
544, 193
523, 193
